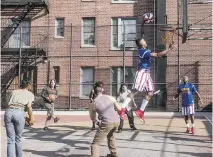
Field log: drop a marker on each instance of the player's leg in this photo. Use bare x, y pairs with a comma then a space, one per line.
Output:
186, 118
90, 113
131, 119
192, 117
56, 119
48, 108
120, 127
147, 86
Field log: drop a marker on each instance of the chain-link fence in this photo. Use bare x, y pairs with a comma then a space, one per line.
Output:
78, 56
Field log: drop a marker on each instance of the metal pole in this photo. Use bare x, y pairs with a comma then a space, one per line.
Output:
20, 57
70, 84
178, 46
124, 49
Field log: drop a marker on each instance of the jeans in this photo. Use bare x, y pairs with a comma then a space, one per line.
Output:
104, 130
14, 122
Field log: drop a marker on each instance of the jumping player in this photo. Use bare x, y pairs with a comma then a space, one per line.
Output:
188, 90
143, 81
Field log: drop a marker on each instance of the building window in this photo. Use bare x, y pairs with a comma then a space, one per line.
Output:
118, 32
57, 73
23, 30
117, 76
88, 38
60, 27
86, 80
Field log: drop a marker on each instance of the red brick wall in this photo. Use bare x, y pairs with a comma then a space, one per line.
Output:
103, 10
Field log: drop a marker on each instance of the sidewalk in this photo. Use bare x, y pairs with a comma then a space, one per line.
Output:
160, 136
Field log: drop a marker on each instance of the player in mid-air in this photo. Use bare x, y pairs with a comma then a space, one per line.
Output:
188, 90
143, 81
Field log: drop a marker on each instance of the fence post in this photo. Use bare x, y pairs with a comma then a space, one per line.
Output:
70, 84
20, 58
178, 46
124, 49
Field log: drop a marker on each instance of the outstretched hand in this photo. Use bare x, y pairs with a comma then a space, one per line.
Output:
171, 46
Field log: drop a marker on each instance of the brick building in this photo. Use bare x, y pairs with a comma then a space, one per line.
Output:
80, 41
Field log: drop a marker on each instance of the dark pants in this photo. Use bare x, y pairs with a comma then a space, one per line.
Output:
130, 117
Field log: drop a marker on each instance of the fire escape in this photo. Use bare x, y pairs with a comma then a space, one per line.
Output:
14, 57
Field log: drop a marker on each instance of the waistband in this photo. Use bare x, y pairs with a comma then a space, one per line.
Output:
16, 106
145, 70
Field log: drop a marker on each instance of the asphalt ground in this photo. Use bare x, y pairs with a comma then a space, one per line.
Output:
160, 136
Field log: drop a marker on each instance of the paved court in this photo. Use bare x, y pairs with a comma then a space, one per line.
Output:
159, 137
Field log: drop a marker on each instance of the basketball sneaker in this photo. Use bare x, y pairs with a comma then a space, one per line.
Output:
140, 115
187, 130
193, 130
56, 119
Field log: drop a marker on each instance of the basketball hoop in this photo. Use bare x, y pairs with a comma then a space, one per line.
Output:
168, 38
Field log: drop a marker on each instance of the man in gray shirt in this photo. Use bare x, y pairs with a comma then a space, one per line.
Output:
107, 108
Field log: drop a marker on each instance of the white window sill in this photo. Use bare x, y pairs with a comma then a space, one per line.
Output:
83, 98
88, 46
124, 2
115, 49
126, 49
59, 37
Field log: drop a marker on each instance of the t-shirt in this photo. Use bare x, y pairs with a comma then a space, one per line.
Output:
122, 96
47, 91
21, 97
187, 90
105, 107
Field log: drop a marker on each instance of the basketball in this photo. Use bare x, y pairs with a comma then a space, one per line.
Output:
148, 18
27, 121
52, 97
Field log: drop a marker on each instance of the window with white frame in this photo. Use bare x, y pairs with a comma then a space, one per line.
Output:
59, 27
86, 80
124, 28
88, 31
117, 75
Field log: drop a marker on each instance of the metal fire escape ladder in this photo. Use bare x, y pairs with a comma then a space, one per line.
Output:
7, 32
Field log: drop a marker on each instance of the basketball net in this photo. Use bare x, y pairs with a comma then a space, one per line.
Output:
168, 38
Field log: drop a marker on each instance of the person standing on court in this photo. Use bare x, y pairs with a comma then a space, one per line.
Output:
49, 103
188, 90
14, 117
107, 108
92, 97
122, 95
